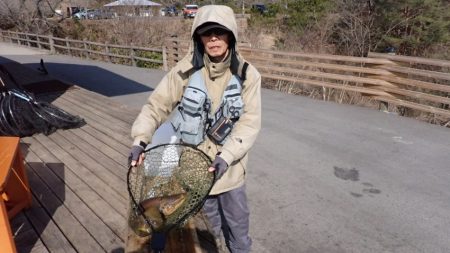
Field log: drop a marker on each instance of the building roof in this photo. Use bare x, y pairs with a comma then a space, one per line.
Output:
132, 3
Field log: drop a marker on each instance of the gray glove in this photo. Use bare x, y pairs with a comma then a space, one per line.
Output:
220, 166
135, 152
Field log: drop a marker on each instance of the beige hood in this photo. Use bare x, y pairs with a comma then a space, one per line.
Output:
220, 14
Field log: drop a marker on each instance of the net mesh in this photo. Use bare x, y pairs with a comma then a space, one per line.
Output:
168, 188
22, 115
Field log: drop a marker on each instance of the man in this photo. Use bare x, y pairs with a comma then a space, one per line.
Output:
216, 99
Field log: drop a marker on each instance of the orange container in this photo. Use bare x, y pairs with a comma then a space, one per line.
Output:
15, 192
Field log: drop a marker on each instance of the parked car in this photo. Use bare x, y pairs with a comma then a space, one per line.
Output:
100, 14
190, 10
172, 11
261, 8
83, 14
169, 11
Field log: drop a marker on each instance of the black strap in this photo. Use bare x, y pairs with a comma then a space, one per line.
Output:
244, 71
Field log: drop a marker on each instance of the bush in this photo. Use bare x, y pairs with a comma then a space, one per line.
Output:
149, 55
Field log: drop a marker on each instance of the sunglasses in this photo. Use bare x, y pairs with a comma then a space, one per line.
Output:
215, 31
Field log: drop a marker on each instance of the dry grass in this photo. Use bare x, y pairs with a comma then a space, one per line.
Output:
152, 32
146, 32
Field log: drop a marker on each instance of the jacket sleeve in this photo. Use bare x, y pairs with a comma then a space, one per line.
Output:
158, 107
248, 126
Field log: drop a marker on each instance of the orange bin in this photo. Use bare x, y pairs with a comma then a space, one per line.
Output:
15, 192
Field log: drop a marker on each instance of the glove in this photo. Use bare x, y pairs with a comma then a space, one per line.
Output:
135, 152
219, 166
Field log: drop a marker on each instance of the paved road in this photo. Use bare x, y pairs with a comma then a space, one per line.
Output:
323, 177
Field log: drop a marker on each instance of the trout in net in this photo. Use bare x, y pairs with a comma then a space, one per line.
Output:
168, 188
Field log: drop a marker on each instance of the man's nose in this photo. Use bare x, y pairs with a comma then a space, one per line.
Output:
214, 37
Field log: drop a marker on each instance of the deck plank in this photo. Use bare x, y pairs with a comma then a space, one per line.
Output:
113, 110
97, 169
114, 219
109, 170
26, 237
75, 185
78, 208
71, 228
116, 200
98, 113
87, 110
117, 146
48, 230
119, 157
78, 180
97, 123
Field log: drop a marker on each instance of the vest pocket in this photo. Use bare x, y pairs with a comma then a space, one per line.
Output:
193, 101
192, 130
190, 117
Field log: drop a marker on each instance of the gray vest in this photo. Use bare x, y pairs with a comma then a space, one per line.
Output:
193, 115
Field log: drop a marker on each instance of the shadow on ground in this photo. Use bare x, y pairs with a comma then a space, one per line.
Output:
93, 78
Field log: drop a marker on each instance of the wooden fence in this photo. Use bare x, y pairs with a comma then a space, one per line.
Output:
406, 82
127, 55
420, 84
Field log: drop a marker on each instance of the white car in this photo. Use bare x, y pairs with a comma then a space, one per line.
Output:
83, 14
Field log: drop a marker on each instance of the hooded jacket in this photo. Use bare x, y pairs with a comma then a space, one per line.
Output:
169, 91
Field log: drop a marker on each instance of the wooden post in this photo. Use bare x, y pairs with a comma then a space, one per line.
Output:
86, 52
28, 39
51, 42
19, 39
107, 52
38, 41
68, 46
133, 60
164, 56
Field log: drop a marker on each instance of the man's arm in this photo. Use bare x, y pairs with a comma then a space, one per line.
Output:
158, 107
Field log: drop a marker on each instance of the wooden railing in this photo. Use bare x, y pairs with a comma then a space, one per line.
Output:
127, 55
408, 82
420, 84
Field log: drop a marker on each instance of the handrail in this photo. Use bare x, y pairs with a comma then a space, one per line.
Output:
131, 55
411, 82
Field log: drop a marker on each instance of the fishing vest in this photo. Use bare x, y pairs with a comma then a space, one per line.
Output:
193, 116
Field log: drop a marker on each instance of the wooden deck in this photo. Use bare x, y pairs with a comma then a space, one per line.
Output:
78, 181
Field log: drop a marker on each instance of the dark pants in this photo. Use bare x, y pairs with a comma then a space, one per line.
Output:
229, 211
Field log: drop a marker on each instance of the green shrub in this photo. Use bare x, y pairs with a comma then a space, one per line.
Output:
150, 55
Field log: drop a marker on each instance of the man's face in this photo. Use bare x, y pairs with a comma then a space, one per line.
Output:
216, 43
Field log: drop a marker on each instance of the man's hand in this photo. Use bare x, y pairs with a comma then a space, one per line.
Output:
136, 156
219, 166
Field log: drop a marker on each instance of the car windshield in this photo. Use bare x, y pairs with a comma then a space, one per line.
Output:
191, 7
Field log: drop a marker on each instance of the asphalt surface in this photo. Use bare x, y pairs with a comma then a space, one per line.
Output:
322, 177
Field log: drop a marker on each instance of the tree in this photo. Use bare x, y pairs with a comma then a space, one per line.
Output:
352, 31
27, 15
411, 26
301, 14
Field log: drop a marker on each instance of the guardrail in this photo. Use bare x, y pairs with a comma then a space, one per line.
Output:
418, 84
127, 55
406, 82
